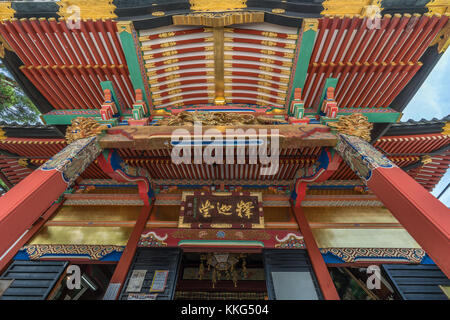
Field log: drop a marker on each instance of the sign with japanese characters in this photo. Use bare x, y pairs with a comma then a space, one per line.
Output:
241, 210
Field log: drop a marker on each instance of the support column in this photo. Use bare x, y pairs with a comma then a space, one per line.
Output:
120, 273
320, 268
7, 257
21, 206
425, 218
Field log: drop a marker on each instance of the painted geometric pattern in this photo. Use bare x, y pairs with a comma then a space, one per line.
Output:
93, 252
361, 156
103, 202
342, 203
74, 159
372, 254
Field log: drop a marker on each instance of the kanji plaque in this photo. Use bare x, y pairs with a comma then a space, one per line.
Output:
239, 210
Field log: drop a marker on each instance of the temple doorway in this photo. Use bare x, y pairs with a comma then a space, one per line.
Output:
221, 276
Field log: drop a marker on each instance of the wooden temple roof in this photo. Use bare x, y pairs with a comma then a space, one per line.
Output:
254, 63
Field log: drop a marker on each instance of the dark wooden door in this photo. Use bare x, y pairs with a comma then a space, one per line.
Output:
152, 259
290, 276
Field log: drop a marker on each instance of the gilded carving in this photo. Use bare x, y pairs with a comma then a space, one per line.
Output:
438, 6
6, 11
218, 19
355, 124
4, 45
310, 24
278, 10
126, 26
217, 5
217, 118
83, 128
2, 134
442, 39
351, 7
23, 162
87, 9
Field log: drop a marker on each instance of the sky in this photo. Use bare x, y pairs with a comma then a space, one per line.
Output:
433, 101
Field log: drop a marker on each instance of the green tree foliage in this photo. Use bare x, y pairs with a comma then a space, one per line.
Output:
15, 106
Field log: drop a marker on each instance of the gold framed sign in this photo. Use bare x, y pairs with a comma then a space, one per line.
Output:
238, 210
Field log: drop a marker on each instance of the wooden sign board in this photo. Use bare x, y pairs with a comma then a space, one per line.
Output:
239, 210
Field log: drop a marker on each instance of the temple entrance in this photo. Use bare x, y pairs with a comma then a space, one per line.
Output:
221, 276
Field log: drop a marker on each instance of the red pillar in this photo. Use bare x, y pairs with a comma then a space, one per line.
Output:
120, 273
320, 268
425, 218
7, 257
21, 206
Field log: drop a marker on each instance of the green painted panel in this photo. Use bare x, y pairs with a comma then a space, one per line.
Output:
60, 119
305, 51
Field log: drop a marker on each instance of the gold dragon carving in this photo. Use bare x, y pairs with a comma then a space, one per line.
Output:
186, 118
83, 128
355, 124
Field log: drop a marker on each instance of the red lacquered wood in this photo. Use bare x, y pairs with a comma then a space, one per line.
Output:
430, 37
24, 51
326, 44
353, 25
353, 91
393, 23
69, 51
67, 87
38, 83
120, 273
21, 206
410, 74
342, 27
37, 41
380, 82
53, 83
389, 85
360, 90
320, 268
425, 218
56, 44
323, 24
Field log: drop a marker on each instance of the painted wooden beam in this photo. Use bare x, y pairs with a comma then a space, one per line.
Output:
309, 30
320, 268
7, 257
374, 115
133, 55
120, 273
425, 218
328, 163
65, 117
113, 165
21, 206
